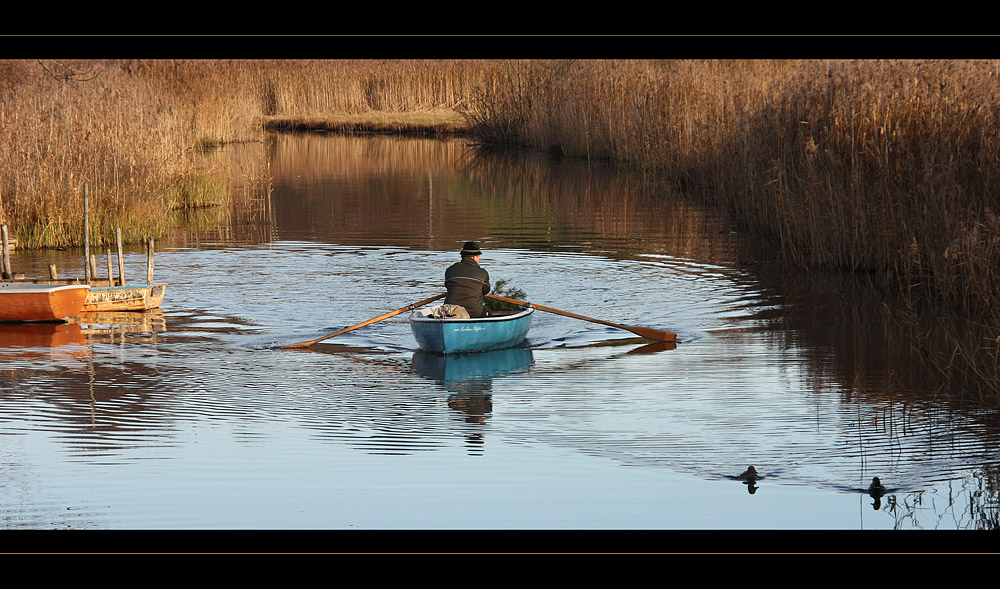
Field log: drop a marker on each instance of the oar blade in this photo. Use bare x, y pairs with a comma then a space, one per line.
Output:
654, 334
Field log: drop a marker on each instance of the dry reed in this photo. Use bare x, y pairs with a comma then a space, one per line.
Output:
869, 165
134, 131
888, 167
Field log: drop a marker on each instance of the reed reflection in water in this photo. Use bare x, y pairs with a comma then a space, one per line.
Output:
206, 424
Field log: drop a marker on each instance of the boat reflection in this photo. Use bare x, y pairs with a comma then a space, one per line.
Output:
105, 325
72, 339
471, 373
469, 377
38, 340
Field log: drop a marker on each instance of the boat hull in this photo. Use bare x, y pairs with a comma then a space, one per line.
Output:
457, 336
41, 302
125, 298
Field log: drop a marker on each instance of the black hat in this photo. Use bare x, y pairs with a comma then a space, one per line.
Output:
471, 248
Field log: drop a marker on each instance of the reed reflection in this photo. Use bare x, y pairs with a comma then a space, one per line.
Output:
430, 194
891, 416
874, 345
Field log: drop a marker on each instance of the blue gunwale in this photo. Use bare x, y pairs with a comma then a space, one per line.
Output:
453, 336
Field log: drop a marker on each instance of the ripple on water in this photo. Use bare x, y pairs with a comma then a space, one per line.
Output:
210, 400
719, 401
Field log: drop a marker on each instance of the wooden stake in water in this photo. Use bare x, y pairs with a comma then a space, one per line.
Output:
111, 278
121, 258
149, 263
5, 264
53, 274
86, 235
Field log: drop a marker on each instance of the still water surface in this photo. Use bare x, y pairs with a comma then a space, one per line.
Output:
193, 419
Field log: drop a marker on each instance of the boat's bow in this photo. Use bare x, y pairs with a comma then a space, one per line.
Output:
41, 302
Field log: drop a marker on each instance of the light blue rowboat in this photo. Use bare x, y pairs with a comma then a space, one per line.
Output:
456, 336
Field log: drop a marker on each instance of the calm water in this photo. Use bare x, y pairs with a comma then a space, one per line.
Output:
193, 419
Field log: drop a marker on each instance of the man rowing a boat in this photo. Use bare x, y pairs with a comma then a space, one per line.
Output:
467, 282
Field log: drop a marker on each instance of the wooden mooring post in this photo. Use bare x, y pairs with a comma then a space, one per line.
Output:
5, 270
149, 262
121, 257
87, 261
111, 277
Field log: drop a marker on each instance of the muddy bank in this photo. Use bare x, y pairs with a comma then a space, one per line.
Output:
445, 122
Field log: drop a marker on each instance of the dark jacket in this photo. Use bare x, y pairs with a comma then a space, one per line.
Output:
467, 282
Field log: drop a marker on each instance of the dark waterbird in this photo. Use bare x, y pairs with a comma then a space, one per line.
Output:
876, 488
750, 474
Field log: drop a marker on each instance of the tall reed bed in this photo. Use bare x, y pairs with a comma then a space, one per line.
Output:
868, 165
133, 131
64, 126
887, 166
315, 87
882, 166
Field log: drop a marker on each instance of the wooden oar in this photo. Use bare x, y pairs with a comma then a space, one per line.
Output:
369, 322
653, 334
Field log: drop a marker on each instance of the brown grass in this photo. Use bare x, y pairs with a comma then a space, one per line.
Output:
134, 131
879, 166
882, 166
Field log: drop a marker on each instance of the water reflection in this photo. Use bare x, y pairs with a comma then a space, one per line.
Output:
430, 195
108, 326
72, 339
468, 379
471, 373
803, 375
804, 370
51, 340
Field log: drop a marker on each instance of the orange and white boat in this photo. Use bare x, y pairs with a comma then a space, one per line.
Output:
21, 302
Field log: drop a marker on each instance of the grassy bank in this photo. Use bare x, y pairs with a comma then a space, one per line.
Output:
65, 126
432, 122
